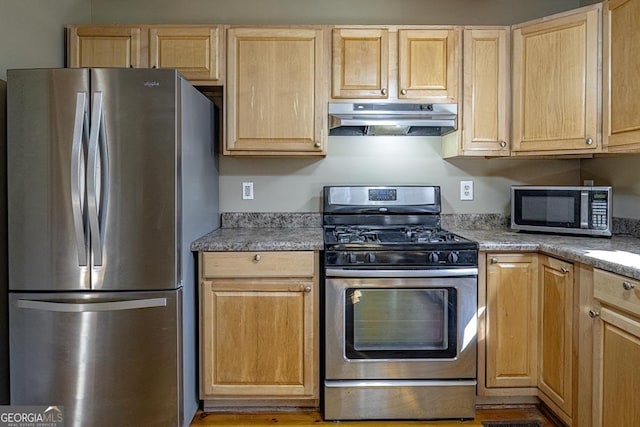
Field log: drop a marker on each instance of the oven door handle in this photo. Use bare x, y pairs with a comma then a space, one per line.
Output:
446, 272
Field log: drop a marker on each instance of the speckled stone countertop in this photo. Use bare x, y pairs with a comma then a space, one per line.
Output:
618, 254
303, 231
264, 232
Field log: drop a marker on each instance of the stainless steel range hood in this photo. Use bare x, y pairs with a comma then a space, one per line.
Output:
392, 118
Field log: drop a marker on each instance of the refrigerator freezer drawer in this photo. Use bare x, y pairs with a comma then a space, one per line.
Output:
110, 359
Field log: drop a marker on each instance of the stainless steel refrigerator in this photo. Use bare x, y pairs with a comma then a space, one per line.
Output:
111, 174
4, 317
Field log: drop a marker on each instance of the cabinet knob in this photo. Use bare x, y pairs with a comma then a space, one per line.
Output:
403, 91
383, 91
564, 270
317, 144
503, 144
494, 260
628, 285
307, 289
257, 257
593, 314
589, 141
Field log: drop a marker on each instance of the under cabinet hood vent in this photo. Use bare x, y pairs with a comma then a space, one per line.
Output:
392, 119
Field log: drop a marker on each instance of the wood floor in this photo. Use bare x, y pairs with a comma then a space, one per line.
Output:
314, 419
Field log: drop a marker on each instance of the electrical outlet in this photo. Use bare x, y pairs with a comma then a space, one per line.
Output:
466, 190
247, 191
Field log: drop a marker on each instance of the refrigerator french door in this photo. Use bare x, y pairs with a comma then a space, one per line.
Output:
111, 175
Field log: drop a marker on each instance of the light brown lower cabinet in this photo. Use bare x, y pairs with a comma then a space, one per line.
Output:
555, 345
511, 321
535, 333
259, 329
617, 351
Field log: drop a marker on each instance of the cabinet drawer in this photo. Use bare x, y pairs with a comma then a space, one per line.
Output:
258, 264
619, 291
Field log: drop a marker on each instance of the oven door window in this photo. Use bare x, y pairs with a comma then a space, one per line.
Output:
400, 323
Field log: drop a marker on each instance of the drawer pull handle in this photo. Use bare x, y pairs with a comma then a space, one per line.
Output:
589, 141
564, 270
307, 289
503, 144
257, 258
628, 285
494, 260
593, 314
383, 91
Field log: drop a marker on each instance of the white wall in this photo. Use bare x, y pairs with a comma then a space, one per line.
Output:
295, 185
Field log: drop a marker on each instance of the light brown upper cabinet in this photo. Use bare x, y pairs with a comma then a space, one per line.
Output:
106, 46
191, 49
360, 63
555, 84
621, 85
195, 50
483, 127
396, 63
276, 102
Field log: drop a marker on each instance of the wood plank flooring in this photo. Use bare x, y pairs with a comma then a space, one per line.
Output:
314, 419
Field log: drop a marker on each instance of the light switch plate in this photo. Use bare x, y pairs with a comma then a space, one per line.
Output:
466, 190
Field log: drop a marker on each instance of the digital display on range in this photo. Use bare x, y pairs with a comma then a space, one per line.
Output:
383, 194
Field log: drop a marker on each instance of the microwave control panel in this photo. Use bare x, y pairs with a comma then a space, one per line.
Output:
599, 210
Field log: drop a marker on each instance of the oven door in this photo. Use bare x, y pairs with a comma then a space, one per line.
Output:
400, 324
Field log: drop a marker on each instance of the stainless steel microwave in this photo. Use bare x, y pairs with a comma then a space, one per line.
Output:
571, 210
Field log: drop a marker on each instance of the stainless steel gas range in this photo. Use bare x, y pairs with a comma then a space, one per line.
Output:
400, 307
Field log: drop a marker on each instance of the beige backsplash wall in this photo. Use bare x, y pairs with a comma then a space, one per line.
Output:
283, 185
622, 173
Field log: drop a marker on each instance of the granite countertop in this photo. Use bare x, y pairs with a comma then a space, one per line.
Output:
300, 232
261, 239
618, 254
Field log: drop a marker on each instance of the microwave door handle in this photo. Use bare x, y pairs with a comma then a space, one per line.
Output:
584, 209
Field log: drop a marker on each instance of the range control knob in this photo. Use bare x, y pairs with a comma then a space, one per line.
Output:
433, 257
371, 257
352, 258
452, 257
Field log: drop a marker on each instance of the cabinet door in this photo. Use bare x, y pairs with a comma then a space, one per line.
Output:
105, 46
555, 85
616, 372
275, 100
428, 65
360, 63
556, 332
621, 62
486, 92
258, 338
511, 320
193, 50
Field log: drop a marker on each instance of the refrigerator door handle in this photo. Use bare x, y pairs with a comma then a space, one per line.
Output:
80, 135
69, 307
97, 170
